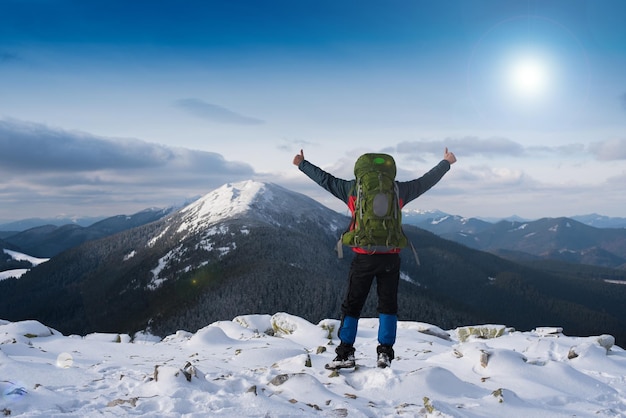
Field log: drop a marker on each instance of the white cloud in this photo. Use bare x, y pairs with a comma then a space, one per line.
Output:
47, 169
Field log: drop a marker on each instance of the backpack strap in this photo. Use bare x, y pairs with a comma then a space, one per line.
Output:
417, 259
339, 248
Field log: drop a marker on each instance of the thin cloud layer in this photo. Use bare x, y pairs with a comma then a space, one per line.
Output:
467, 146
609, 150
77, 171
613, 149
215, 113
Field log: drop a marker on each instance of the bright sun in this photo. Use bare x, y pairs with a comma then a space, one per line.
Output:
528, 71
528, 77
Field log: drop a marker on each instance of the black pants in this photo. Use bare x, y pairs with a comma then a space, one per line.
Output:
386, 269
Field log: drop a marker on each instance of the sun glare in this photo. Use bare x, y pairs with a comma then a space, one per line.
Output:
528, 71
528, 77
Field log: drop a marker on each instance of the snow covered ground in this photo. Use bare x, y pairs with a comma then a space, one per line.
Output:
239, 369
20, 257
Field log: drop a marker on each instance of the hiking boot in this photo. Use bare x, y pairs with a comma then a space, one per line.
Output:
344, 359
341, 363
383, 360
385, 355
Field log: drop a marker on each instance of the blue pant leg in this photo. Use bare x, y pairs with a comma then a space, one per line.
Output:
347, 330
387, 326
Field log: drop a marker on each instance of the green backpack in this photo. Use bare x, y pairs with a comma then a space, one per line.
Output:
377, 220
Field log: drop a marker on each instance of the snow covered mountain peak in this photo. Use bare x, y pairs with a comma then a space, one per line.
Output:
251, 199
219, 221
225, 201
228, 201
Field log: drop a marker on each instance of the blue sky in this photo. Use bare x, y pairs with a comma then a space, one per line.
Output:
110, 107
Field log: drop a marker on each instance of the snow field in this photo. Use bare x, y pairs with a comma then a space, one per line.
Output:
273, 366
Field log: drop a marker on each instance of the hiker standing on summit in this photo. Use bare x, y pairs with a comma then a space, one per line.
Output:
373, 259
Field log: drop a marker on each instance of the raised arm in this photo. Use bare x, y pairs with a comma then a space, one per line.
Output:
337, 187
410, 190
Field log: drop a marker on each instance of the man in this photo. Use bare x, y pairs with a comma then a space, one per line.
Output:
367, 265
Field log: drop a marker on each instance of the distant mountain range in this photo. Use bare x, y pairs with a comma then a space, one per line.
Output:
260, 248
10, 228
562, 239
24, 224
600, 221
413, 217
50, 240
418, 217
